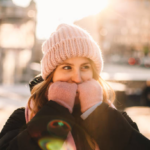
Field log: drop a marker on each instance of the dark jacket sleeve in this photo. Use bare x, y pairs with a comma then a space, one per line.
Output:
130, 121
112, 131
14, 124
15, 121
52, 122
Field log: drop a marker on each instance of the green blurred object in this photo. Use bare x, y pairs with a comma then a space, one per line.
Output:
60, 123
146, 50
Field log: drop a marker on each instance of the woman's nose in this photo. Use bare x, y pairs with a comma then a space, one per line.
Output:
76, 77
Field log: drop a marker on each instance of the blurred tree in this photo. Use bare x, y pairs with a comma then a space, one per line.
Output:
146, 50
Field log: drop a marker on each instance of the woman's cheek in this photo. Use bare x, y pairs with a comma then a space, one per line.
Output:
62, 77
87, 76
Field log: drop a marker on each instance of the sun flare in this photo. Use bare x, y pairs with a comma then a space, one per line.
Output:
22, 3
51, 13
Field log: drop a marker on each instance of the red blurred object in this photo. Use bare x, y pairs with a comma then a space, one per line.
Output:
132, 61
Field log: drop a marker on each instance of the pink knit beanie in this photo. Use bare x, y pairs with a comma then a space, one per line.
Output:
66, 42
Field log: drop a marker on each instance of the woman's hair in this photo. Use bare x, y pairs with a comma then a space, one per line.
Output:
108, 92
39, 91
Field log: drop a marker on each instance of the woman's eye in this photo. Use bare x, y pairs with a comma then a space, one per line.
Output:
86, 67
66, 67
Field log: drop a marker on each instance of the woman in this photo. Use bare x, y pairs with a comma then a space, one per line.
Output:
70, 105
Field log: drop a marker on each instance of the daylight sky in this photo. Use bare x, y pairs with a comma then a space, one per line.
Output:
53, 12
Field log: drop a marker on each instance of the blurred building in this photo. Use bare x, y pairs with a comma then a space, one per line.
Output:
17, 40
90, 24
123, 30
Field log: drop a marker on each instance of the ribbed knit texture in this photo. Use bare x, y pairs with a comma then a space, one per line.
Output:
90, 94
66, 95
67, 42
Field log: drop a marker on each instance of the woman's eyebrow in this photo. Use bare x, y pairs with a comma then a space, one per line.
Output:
65, 63
87, 63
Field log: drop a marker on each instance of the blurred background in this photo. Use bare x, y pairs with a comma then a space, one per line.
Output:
120, 27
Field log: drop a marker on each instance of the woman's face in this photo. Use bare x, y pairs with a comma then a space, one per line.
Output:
74, 70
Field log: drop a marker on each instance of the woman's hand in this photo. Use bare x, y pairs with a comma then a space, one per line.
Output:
63, 93
90, 93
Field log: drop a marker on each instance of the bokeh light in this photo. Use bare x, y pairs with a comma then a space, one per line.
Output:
49, 143
58, 128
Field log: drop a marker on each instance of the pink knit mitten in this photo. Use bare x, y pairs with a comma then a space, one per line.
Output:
90, 93
63, 93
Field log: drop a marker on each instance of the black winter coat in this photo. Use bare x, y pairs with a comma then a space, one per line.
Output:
111, 129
